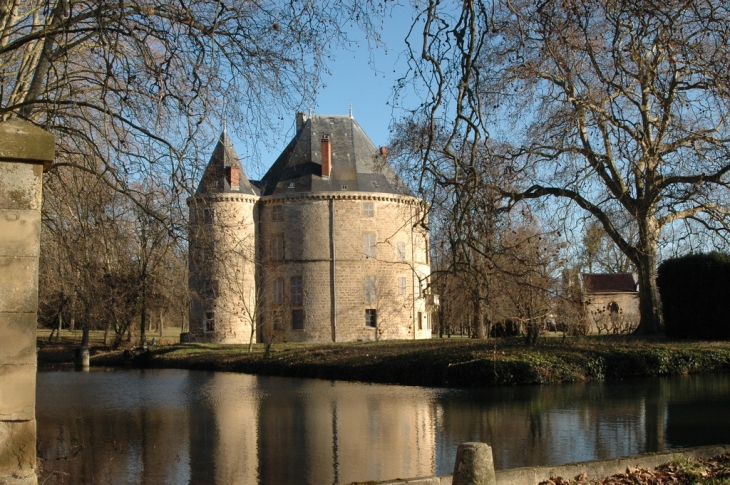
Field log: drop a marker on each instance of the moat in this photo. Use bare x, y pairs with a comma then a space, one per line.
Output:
192, 427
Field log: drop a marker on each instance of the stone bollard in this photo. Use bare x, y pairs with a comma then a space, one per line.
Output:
474, 465
25, 152
81, 358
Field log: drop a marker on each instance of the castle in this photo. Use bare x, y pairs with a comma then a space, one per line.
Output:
330, 246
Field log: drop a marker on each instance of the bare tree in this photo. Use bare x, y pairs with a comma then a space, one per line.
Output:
129, 87
601, 254
106, 254
619, 108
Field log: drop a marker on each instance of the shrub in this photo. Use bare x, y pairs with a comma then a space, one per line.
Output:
695, 293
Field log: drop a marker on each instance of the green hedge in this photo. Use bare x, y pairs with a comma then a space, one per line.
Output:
695, 293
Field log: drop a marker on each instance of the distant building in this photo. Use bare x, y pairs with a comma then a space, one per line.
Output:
329, 246
610, 302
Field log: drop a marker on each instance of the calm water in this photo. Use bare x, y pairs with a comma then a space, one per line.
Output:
191, 427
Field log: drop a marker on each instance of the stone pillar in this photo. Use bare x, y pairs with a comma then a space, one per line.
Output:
25, 152
474, 465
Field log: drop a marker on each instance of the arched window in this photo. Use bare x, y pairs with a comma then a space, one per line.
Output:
613, 310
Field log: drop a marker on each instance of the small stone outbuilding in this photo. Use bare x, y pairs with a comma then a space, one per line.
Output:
610, 302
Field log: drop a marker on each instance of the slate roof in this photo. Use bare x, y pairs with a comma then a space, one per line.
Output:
216, 176
608, 283
357, 165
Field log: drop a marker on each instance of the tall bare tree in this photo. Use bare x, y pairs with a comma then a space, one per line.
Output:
616, 107
129, 87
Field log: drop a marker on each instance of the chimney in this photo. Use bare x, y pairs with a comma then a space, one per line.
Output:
326, 156
384, 152
301, 119
234, 177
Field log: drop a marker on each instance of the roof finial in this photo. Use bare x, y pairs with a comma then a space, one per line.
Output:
310, 112
225, 126
350, 108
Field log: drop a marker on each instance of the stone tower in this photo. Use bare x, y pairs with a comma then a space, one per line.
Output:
329, 246
222, 258
344, 245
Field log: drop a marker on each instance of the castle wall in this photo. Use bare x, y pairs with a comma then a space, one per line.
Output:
223, 268
324, 244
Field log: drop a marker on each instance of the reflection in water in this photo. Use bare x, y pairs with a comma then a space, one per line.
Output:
177, 427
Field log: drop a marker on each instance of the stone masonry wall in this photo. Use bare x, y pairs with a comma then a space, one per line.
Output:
24, 151
306, 224
223, 268
599, 317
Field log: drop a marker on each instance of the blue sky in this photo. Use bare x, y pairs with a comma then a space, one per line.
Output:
358, 75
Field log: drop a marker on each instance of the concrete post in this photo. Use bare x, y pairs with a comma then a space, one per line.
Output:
474, 465
25, 152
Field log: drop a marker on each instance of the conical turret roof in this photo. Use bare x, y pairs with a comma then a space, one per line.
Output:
357, 165
224, 173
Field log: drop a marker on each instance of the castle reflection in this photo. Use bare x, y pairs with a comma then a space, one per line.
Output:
175, 427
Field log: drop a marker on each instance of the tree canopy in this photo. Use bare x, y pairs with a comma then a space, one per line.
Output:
618, 107
131, 87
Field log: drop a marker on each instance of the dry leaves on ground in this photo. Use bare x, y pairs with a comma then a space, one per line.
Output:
714, 471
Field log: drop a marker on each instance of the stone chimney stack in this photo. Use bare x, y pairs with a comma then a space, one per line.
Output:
235, 177
301, 119
326, 155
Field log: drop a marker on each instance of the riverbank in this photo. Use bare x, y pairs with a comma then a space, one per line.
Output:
436, 362
702, 465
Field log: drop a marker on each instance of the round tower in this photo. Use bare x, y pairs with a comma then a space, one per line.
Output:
344, 245
222, 253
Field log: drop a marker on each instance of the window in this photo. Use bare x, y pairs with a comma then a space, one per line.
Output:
613, 311
297, 319
371, 290
209, 322
368, 245
277, 247
371, 318
277, 213
420, 321
367, 209
277, 320
209, 216
279, 291
401, 251
417, 289
297, 295
210, 289
420, 243
402, 285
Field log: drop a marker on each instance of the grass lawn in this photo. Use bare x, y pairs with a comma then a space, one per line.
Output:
454, 362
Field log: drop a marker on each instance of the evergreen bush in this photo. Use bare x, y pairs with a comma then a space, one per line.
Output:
695, 294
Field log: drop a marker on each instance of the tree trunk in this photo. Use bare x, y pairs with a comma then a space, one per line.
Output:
162, 324
477, 319
143, 324
649, 304
106, 333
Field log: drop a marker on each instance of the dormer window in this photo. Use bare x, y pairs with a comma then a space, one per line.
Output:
344, 187
291, 185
